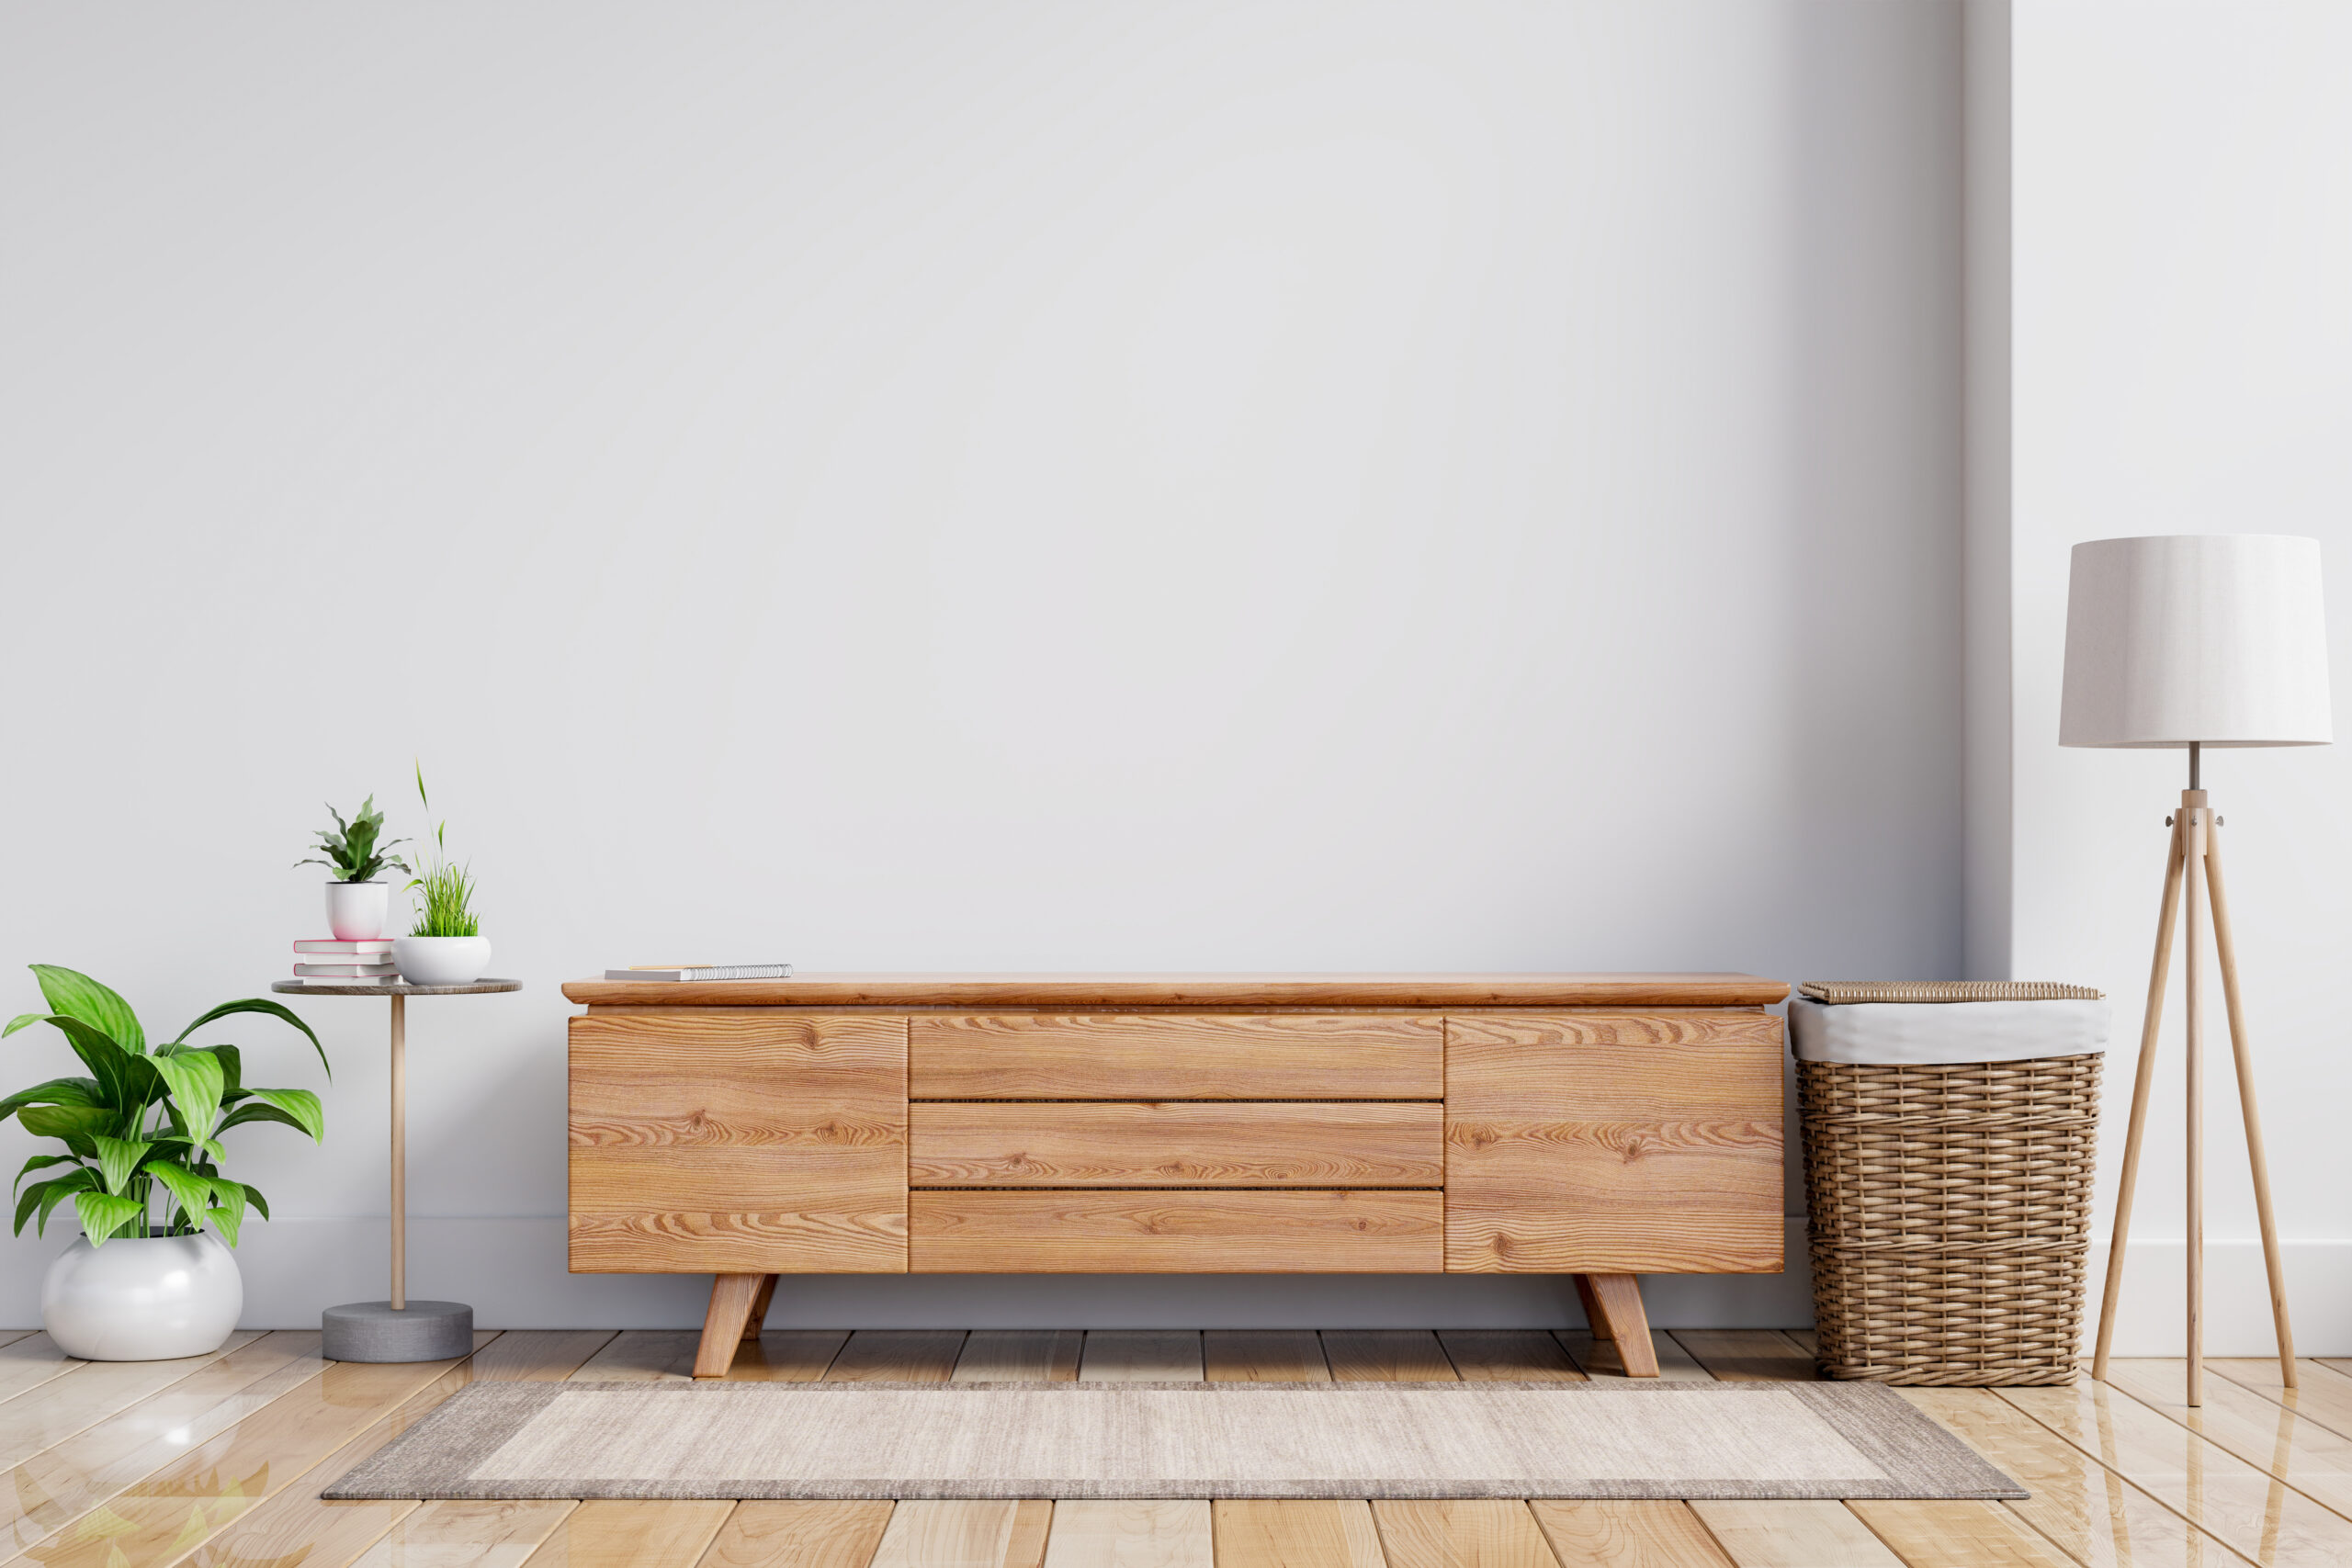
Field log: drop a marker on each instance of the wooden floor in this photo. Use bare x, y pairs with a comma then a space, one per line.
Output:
217, 1461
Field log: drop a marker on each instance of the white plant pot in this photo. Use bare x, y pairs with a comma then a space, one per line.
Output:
442, 960
142, 1298
358, 911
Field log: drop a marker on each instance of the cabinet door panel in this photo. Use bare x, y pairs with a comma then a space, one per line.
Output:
1614, 1143
752, 1141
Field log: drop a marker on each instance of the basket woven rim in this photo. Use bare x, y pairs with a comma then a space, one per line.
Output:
1836, 991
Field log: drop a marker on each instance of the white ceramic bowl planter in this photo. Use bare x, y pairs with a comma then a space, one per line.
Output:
442, 960
358, 911
142, 1298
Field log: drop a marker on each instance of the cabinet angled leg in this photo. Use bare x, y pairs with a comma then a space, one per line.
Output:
722, 1325
758, 1316
1620, 1318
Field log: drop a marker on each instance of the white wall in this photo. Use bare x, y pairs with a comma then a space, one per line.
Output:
2184, 364
1252, 485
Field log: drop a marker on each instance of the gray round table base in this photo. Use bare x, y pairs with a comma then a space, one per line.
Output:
372, 1331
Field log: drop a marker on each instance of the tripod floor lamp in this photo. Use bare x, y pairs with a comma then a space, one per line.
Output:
2196, 640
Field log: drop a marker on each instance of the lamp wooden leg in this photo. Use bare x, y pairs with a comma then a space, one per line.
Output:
1620, 1318
758, 1316
722, 1324
2143, 1085
2242, 1048
2193, 1049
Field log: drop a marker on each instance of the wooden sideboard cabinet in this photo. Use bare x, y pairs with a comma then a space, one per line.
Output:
1602, 1126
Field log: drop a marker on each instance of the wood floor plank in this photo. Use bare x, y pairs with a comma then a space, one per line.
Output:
31, 1362
46, 1413
2260, 1516
897, 1355
2323, 1397
610, 1533
298, 1526
162, 1517
1387, 1355
1263, 1355
61, 1483
798, 1535
1142, 1355
959, 1534
1747, 1355
1161, 1533
468, 1533
1792, 1535
1611, 1533
1021, 1355
1950, 1534
10, 1336
1507, 1355
2095, 1515
2314, 1460
2338, 1364
1461, 1533
1265, 1533
786, 1355
1599, 1358
643, 1355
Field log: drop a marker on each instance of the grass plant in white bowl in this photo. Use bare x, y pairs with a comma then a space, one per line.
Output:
445, 946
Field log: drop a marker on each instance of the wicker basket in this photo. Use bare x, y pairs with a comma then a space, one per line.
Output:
1950, 1217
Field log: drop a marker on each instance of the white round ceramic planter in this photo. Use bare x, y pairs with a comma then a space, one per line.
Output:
142, 1298
442, 960
358, 911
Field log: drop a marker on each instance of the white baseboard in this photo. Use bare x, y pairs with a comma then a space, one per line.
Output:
512, 1269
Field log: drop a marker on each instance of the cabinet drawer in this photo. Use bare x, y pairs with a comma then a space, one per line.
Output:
1176, 1144
737, 1142
1175, 1056
1176, 1232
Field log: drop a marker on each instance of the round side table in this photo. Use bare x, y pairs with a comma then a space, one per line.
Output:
397, 1329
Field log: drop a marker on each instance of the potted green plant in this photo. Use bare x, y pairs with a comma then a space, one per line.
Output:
444, 947
358, 906
149, 1279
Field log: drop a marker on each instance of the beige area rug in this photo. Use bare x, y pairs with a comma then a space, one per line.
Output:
1449, 1439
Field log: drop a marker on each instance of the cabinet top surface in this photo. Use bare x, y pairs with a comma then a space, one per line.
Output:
1278, 990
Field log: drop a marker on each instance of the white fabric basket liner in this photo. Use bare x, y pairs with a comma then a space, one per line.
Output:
1944, 1034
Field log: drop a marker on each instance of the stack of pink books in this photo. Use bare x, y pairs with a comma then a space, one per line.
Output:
322, 961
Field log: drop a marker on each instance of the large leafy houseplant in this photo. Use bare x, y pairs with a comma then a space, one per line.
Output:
143, 1132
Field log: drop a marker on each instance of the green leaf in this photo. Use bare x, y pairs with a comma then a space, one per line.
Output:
258, 1004
118, 1157
103, 1214
45, 1195
67, 1121
229, 1217
253, 1110
196, 1077
253, 1196
19, 1021
39, 1162
77, 996
116, 1071
194, 1192
300, 1104
56, 1091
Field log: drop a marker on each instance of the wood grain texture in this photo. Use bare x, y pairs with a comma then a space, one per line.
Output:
1272, 990
1387, 1355
29, 1361
1747, 1355
1793, 1535
1507, 1355
1175, 1056
1619, 1533
1461, 1533
1267, 1533
2315, 1460
604, 1533
897, 1355
1021, 1355
1176, 1144
965, 1534
1614, 1301
1615, 1144
732, 1141
2324, 1396
1263, 1355
50, 1412
468, 1533
1166, 1533
1176, 1232
1957, 1534
798, 1535
2093, 1514
1142, 1355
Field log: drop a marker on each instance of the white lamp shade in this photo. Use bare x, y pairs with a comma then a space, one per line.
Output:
2218, 638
